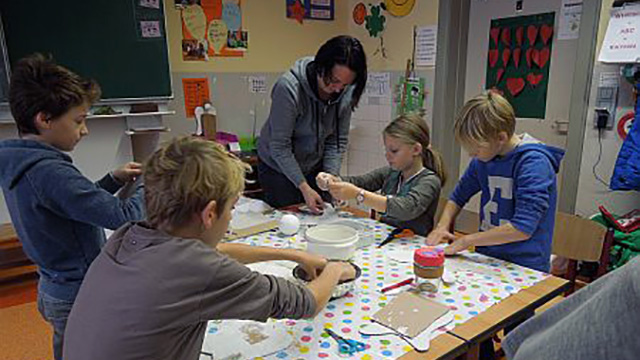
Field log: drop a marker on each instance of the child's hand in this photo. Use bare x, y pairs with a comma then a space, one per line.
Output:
128, 172
348, 271
438, 236
312, 264
323, 180
343, 190
457, 246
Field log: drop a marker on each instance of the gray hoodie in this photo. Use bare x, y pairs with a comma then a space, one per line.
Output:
601, 321
149, 295
58, 213
302, 132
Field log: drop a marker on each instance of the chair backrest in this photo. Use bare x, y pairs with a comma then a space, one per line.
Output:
577, 238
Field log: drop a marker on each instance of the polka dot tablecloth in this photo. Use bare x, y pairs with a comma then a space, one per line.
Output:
481, 282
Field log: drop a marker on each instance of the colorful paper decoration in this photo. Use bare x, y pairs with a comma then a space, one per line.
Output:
523, 83
545, 33
517, 53
310, 9
493, 57
207, 26
399, 8
494, 33
534, 79
515, 86
375, 21
296, 11
499, 75
359, 13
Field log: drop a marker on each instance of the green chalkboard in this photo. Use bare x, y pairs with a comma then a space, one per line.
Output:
114, 42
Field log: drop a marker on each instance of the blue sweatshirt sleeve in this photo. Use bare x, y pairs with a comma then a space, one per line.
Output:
332, 159
534, 179
64, 190
468, 185
283, 115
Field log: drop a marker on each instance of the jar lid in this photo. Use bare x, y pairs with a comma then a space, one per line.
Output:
428, 256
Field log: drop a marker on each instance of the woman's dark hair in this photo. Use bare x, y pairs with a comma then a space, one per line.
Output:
344, 50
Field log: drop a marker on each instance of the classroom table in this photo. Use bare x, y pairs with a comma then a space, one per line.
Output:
489, 294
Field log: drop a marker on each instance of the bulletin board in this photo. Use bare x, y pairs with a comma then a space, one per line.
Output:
518, 61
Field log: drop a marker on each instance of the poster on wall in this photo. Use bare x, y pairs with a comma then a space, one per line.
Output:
310, 9
196, 93
518, 61
212, 28
622, 38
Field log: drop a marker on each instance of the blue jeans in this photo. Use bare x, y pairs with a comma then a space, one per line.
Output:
55, 312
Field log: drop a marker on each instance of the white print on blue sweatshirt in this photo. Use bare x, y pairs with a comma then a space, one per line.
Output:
518, 188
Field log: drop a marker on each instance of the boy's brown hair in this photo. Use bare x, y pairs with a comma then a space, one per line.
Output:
38, 84
184, 175
483, 118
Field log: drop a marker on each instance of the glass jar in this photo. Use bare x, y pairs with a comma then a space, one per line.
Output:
428, 267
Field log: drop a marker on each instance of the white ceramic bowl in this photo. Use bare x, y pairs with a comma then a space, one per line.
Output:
333, 241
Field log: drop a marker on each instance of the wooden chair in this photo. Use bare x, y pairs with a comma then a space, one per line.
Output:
580, 239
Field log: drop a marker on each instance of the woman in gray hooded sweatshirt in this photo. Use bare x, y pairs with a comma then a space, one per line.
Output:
308, 125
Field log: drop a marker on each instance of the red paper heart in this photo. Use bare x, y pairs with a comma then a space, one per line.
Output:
506, 36
534, 79
535, 57
544, 56
499, 75
545, 33
494, 33
493, 57
519, 34
516, 56
532, 34
515, 86
528, 57
506, 55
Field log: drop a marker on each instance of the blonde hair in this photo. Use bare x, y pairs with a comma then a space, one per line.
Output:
411, 129
483, 118
184, 175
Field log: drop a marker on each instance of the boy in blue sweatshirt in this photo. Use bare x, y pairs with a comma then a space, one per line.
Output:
516, 175
58, 213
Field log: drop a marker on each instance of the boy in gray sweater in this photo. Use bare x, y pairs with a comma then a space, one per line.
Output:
151, 291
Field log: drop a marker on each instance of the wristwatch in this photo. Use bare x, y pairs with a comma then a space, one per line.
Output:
360, 197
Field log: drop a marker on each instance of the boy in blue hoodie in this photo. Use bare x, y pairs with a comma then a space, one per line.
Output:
516, 175
58, 213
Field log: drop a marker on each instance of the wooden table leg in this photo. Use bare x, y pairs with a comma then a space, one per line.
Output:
472, 354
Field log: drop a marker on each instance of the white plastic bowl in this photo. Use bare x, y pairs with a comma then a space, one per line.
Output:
333, 241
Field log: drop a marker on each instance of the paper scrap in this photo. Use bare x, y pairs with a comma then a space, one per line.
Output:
623, 36
152, 4
426, 42
257, 84
569, 22
150, 29
378, 84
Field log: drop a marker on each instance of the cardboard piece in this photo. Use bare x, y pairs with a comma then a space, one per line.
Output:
410, 314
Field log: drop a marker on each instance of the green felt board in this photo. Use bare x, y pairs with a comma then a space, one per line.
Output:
99, 39
532, 101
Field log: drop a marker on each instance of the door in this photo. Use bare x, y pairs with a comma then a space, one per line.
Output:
553, 129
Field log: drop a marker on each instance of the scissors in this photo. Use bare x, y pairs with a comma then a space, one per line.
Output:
346, 346
397, 233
